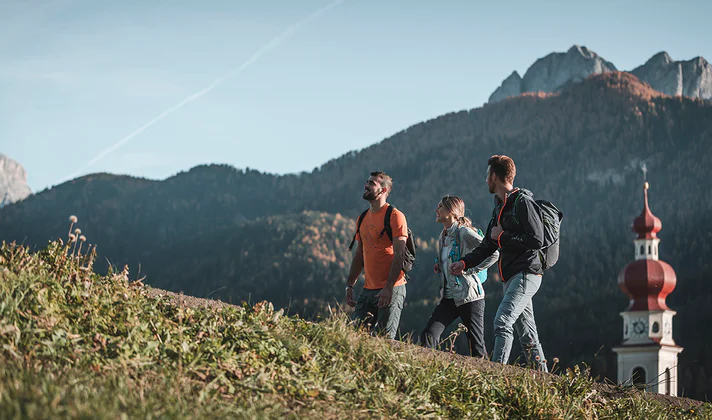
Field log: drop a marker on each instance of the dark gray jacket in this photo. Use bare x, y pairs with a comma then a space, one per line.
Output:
518, 245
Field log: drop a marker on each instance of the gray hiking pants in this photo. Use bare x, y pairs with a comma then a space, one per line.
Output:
382, 320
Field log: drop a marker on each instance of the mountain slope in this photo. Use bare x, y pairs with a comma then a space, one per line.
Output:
580, 148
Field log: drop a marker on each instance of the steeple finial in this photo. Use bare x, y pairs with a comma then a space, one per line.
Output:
646, 225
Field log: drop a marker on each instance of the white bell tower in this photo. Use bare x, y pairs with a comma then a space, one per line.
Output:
647, 356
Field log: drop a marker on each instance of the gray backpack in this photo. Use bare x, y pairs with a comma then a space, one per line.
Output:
551, 218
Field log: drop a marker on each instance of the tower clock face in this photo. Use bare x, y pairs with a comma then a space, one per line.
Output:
640, 326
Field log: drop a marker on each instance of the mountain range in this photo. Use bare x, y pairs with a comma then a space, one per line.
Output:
244, 235
692, 78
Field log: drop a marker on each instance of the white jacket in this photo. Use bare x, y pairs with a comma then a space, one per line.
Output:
466, 288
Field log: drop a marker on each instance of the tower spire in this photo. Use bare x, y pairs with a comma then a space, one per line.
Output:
647, 225
646, 186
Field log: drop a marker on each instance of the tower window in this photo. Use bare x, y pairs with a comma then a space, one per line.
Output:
650, 249
639, 379
642, 249
656, 327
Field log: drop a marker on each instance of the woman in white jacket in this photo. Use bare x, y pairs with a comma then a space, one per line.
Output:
462, 296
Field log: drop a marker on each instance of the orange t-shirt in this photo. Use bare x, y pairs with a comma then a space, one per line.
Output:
378, 250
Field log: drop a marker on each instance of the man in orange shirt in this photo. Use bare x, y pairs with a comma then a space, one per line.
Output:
381, 301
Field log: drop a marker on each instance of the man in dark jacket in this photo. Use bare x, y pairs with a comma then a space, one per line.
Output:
515, 229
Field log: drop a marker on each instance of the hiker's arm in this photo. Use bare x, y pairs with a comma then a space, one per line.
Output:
386, 294
354, 272
532, 234
485, 249
356, 265
399, 229
472, 241
397, 264
488, 262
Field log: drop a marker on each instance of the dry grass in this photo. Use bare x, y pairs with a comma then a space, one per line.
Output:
76, 344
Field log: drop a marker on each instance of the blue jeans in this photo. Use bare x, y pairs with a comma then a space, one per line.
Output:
516, 313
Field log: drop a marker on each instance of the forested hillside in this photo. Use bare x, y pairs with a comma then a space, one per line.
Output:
241, 234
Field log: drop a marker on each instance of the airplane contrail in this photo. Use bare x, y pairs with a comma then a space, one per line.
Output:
272, 44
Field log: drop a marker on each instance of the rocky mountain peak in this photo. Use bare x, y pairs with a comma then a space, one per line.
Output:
692, 78
660, 59
582, 51
13, 181
700, 61
551, 73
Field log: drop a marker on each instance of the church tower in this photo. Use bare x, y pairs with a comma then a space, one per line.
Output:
647, 357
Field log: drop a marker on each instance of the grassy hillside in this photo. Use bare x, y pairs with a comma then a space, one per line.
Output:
77, 344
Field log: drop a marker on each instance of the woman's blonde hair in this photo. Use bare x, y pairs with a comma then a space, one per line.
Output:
456, 207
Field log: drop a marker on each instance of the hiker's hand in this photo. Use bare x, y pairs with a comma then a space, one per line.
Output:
457, 268
436, 268
350, 297
384, 297
496, 231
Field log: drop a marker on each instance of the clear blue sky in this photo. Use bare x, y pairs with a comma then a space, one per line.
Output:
76, 77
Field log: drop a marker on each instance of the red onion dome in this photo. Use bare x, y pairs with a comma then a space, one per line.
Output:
647, 283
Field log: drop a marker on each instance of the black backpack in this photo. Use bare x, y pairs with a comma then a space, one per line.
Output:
551, 218
410, 246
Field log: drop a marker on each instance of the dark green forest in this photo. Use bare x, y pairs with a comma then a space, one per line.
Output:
239, 235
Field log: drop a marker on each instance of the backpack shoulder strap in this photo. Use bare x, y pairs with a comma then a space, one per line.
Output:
514, 207
358, 228
387, 228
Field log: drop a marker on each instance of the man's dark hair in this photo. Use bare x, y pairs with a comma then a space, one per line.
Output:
386, 181
503, 166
